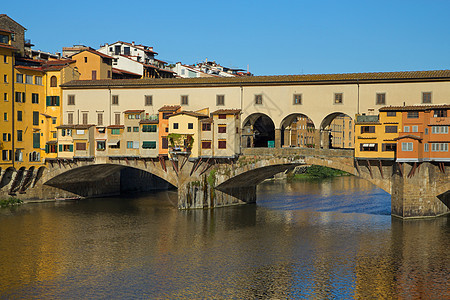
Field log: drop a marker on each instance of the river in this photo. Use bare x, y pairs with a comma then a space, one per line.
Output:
326, 239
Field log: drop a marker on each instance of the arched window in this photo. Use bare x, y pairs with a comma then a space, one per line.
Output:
53, 81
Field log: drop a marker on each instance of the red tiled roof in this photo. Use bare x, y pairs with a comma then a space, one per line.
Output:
148, 122
75, 126
94, 52
133, 111
189, 113
4, 30
170, 108
120, 71
227, 112
409, 136
29, 68
6, 46
208, 120
414, 107
351, 78
116, 126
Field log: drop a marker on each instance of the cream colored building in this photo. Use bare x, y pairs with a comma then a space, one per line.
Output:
319, 97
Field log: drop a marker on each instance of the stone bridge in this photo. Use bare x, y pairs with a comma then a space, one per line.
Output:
417, 190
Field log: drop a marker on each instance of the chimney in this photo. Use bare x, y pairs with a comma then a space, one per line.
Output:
132, 43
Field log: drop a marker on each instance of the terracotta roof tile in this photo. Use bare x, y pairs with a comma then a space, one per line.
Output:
414, 107
94, 52
148, 122
170, 108
226, 112
350, 78
133, 111
189, 113
75, 126
116, 126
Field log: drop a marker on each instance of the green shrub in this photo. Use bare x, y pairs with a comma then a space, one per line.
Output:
10, 202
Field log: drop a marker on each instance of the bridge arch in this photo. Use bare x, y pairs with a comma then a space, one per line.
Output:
257, 130
96, 179
7, 176
340, 130
297, 130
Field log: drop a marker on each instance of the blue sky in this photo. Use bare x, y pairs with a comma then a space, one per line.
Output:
271, 37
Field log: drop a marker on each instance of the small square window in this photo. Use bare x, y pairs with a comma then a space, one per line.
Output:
190, 125
184, 100
381, 99
148, 100
71, 100
258, 99
115, 100
426, 97
175, 125
129, 129
220, 100
222, 144
297, 99
338, 98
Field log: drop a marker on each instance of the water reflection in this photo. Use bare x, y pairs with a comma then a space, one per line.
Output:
283, 247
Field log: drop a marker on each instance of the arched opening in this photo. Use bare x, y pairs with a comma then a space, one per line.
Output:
258, 131
53, 81
338, 130
107, 179
7, 177
39, 174
298, 130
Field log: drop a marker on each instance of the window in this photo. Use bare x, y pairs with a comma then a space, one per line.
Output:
440, 113
36, 140
35, 118
390, 129
338, 98
135, 129
85, 118
258, 99
222, 144
166, 115
85, 59
206, 127
19, 115
132, 145
439, 129
5, 59
80, 132
94, 75
426, 130
38, 80
407, 146
206, 144
5, 116
413, 115
175, 125
148, 100
381, 99
164, 143
184, 100
4, 39
149, 128
128, 128
297, 99
426, 147
126, 50
29, 79
35, 98
65, 148
115, 100
99, 118
391, 113
220, 100
80, 146
415, 128
222, 129
149, 145
19, 135
115, 131
70, 99
190, 125
368, 147
70, 118
52, 100
405, 128
426, 97
5, 78
18, 155
435, 147
222, 116
389, 147
109, 74
19, 78
5, 155
5, 96
117, 119
7, 137
53, 120
53, 81
20, 97
367, 129
101, 145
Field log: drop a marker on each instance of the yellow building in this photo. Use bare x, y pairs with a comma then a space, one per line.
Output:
341, 130
6, 101
375, 135
29, 92
93, 65
57, 72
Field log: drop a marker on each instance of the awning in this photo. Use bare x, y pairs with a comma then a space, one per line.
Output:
113, 142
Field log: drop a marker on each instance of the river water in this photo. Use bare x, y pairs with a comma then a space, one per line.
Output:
328, 239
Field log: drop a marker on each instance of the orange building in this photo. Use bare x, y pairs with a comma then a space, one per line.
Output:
163, 130
93, 65
425, 133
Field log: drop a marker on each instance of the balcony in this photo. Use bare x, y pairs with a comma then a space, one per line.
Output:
367, 119
436, 121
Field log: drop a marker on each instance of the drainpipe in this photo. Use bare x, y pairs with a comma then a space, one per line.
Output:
13, 136
240, 121
357, 82
110, 108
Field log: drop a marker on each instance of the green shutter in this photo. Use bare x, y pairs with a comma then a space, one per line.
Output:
48, 100
57, 100
71, 148
46, 148
36, 140
60, 148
